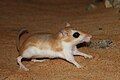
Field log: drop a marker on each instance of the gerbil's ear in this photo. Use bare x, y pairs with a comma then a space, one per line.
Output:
67, 24
63, 33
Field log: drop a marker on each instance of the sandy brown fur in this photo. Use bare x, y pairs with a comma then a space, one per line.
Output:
55, 44
35, 40
40, 40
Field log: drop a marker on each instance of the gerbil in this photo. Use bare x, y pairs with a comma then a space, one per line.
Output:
61, 45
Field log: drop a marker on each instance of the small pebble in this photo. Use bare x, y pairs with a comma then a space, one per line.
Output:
100, 44
100, 28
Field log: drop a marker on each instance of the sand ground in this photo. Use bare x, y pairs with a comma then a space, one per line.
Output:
50, 16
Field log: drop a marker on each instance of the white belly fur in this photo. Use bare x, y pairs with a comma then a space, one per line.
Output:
37, 53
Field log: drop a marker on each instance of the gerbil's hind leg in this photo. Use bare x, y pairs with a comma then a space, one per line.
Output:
35, 60
20, 63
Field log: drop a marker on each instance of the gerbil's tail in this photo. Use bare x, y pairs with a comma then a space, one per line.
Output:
20, 33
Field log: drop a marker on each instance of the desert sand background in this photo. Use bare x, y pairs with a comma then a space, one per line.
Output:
50, 16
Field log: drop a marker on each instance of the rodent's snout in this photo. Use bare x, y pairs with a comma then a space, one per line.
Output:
90, 36
87, 38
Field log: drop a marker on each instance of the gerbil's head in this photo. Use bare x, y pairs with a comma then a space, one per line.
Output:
73, 36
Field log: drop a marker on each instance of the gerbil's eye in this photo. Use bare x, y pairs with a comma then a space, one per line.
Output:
76, 35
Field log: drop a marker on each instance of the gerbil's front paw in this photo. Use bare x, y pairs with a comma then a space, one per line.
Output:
88, 56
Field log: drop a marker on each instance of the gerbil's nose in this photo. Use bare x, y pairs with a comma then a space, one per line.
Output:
88, 35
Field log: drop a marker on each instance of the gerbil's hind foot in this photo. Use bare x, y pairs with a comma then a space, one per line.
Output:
20, 63
35, 60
